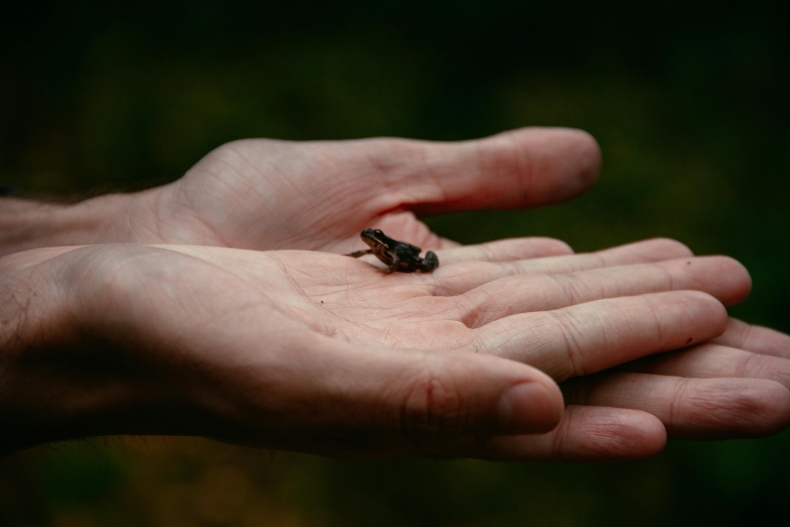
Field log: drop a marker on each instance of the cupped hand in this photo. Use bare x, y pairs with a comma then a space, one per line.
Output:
324, 353
269, 194
572, 316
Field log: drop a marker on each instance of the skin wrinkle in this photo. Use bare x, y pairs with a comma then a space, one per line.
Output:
670, 276
127, 224
487, 253
607, 434
572, 349
241, 235
743, 334
525, 168
425, 403
480, 158
707, 410
657, 321
562, 433
436, 178
472, 310
682, 392
427, 187
188, 309
13, 326
570, 287
759, 366
294, 284
389, 155
536, 345
218, 237
237, 168
748, 334
224, 157
751, 365
153, 230
441, 308
442, 281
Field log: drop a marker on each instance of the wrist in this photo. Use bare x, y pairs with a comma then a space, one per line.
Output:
26, 224
60, 378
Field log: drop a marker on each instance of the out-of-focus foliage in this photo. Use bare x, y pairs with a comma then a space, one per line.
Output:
687, 99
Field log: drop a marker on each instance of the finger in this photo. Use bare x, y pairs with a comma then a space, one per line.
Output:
452, 278
716, 361
756, 339
414, 394
587, 434
723, 278
506, 250
521, 168
692, 408
593, 336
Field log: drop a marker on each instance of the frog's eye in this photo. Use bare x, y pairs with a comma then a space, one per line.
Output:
377, 231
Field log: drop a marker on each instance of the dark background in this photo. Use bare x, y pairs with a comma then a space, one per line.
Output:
687, 99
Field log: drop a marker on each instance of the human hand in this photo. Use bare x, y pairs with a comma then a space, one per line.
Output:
322, 353
703, 375
486, 288
268, 194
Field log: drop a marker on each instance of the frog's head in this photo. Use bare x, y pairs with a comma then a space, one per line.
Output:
375, 238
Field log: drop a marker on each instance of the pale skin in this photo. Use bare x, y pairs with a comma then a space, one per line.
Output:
321, 353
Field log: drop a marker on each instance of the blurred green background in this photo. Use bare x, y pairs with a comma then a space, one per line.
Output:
687, 99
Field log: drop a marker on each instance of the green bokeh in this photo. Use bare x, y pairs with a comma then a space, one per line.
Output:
688, 101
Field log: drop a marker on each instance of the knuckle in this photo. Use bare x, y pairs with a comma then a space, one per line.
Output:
570, 331
430, 407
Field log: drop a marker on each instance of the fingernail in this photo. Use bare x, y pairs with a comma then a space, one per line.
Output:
530, 407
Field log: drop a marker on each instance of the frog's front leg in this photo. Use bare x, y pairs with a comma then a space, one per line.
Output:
394, 264
357, 254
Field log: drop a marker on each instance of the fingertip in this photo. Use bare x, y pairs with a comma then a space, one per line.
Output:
667, 248
729, 408
567, 154
770, 408
648, 436
588, 152
531, 407
617, 434
756, 339
735, 282
709, 310
550, 247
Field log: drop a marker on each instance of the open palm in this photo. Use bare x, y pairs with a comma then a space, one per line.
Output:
323, 353
568, 316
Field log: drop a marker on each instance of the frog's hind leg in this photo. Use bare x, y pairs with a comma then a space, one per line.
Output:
357, 254
430, 262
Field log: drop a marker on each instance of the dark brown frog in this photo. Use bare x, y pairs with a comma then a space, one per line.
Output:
398, 256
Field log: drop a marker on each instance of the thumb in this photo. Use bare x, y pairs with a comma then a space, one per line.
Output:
417, 393
522, 168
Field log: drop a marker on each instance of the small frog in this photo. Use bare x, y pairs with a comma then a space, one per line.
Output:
399, 256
